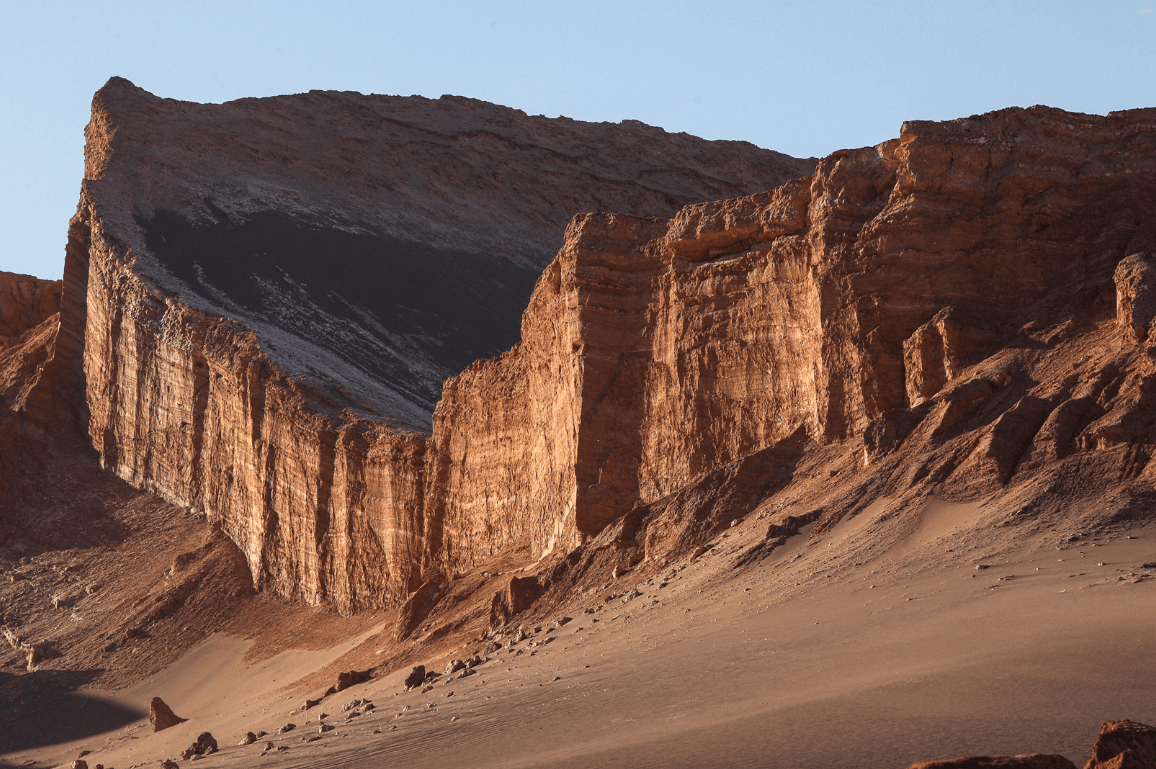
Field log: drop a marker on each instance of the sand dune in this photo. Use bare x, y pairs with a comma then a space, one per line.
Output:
802, 660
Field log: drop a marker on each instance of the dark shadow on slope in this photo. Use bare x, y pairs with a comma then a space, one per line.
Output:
405, 313
45, 708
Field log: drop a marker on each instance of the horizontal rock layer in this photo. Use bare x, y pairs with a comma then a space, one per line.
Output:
849, 304
378, 244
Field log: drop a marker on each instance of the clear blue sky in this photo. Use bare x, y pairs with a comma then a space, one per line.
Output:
804, 78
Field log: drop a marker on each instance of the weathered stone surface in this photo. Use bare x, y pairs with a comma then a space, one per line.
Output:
415, 677
161, 716
25, 302
846, 305
1124, 745
204, 745
268, 390
518, 595
1135, 278
350, 678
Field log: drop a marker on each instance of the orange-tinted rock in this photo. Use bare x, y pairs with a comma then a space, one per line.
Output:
212, 380
846, 306
161, 716
25, 302
1124, 745
517, 596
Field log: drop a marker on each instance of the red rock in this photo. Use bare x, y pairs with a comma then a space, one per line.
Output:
884, 300
1124, 745
415, 677
351, 678
161, 715
25, 302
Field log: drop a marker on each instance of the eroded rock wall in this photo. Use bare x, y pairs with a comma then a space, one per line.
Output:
653, 351
829, 304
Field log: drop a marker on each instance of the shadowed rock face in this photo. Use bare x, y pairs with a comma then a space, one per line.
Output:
404, 314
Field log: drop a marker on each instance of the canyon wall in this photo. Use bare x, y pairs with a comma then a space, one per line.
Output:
653, 349
265, 296
830, 304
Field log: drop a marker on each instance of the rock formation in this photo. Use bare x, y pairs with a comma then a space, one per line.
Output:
905, 299
252, 335
1123, 745
161, 716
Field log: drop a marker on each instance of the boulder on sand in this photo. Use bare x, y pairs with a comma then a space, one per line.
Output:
161, 716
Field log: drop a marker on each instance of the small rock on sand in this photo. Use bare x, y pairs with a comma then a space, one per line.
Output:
286, 728
204, 746
161, 716
248, 739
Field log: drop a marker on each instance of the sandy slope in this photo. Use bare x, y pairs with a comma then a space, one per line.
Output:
827, 653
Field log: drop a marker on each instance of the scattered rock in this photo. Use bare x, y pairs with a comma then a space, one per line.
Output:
261, 734
1124, 745
286, 728
415, 678
351, 705
205, 745
79, 764
161, 716
248, 739
325, 728
170, 764
268, 746
454, 666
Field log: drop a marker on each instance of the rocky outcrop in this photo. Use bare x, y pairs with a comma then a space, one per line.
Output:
161, 716
252, 334
871, 301
25, 302
1123, 745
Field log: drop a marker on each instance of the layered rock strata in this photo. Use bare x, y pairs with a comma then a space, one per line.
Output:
377, 244
851, 305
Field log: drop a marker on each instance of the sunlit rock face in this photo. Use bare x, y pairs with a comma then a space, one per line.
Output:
266, 296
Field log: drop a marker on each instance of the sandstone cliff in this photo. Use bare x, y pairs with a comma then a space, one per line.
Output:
253, 334
945, 304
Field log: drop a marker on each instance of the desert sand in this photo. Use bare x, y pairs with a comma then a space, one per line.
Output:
876, 645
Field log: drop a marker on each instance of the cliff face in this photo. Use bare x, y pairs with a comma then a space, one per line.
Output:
377, 244
849, 305
903, 298
258, 340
